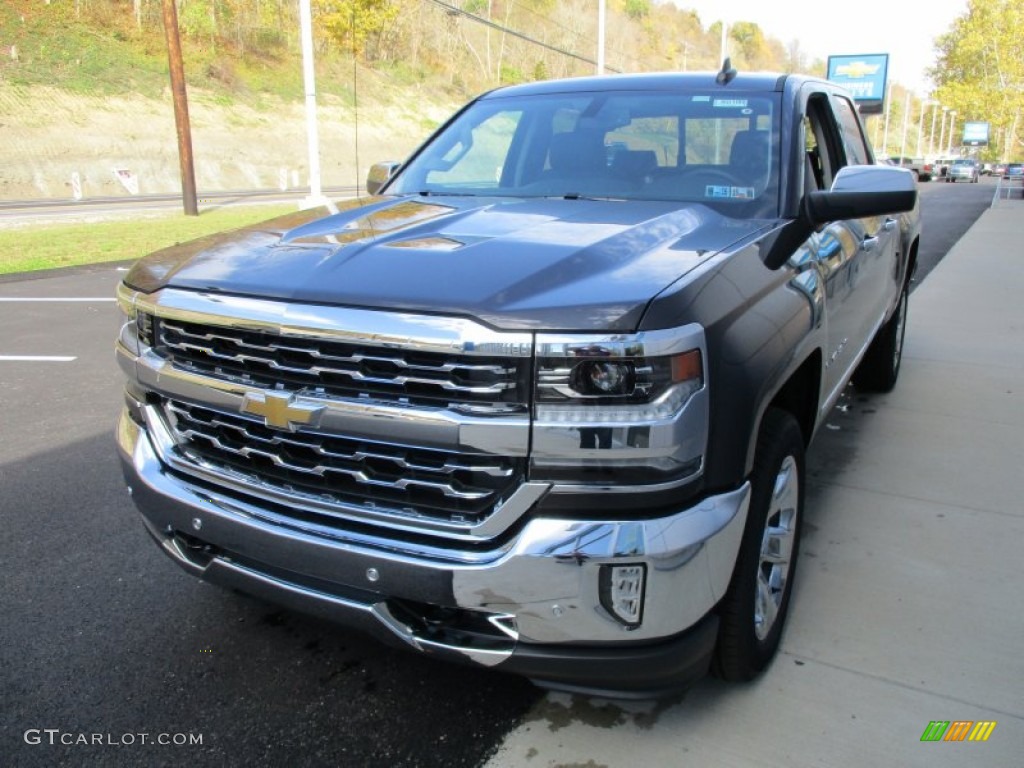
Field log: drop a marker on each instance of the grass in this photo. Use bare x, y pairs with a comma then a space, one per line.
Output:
48, 246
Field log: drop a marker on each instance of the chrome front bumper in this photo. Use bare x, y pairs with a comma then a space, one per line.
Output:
530, 604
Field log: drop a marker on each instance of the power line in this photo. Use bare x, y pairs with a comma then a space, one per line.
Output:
547, 19
494, 25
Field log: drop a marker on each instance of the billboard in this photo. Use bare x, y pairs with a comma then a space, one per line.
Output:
976, 134
864, 76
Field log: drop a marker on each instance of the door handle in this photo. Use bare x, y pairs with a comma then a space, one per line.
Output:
890, 225
868, 244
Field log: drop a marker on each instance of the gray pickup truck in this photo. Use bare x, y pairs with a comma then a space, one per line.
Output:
540, 402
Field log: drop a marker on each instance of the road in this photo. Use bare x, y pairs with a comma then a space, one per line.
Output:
105, 641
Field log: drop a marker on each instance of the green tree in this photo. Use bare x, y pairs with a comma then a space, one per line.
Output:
356, 25
637, 9
980, 71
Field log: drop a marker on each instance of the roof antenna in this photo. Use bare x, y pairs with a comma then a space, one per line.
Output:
727, 74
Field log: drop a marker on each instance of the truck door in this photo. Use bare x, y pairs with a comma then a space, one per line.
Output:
877, 267
855, 256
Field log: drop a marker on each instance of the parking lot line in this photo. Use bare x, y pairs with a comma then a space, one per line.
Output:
37, 359
76, 299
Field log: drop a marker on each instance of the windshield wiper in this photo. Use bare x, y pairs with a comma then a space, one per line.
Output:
578, 196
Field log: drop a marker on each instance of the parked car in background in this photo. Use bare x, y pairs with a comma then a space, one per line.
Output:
999, 169
921, 168
963, 169
1015, 172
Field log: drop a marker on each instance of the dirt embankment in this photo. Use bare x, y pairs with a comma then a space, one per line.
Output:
48, 137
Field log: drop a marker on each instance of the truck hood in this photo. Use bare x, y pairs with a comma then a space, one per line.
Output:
521, 264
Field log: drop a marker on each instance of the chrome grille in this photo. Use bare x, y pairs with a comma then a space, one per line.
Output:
417, 482
342, 369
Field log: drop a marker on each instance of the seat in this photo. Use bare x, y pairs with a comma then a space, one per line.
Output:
750, 159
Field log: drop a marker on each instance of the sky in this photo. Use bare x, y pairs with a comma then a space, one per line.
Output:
905, 29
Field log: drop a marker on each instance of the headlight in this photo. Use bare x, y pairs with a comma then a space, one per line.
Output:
620, 410
135, 331
618, 378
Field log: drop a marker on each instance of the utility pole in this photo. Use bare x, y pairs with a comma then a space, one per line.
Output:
181, 121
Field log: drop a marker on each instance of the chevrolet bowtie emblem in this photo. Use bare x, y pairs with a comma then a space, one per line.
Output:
280, 411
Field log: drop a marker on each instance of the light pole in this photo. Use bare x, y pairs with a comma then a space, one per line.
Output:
906, 116
952, 122
920, 124
931, 136
888, 109
942, 133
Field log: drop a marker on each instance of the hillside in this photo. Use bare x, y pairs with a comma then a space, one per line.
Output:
84, 87
48, 134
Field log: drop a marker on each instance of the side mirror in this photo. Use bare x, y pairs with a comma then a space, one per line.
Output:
858, 191
379, 175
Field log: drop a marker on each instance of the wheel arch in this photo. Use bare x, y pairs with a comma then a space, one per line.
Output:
800, 395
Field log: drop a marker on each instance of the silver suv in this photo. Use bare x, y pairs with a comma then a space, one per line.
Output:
964, 169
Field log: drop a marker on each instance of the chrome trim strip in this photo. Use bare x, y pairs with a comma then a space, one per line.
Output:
426, 333
445, 429
660, 343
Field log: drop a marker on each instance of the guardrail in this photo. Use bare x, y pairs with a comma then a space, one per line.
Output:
1014, 188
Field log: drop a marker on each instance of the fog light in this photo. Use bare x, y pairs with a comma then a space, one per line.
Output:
622, 592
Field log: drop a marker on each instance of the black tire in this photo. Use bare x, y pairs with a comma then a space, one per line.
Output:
753, 612
880, 368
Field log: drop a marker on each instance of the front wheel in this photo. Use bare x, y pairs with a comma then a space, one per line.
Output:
753, 611
880, 367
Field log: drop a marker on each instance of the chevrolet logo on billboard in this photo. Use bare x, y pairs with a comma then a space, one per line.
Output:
857, 69
280, 411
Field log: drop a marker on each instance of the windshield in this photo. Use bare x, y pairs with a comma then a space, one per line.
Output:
721, 150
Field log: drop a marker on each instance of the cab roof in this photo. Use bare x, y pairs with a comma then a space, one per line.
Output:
661, 81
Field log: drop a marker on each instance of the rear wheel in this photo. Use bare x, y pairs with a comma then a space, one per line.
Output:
880, 367
753, 612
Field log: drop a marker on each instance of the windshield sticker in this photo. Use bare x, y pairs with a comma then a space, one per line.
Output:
722, 192
730, 103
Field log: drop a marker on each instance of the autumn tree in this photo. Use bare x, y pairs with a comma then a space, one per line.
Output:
357, 26
980, 71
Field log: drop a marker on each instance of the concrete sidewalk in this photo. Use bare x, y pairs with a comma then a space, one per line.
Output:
909, 604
